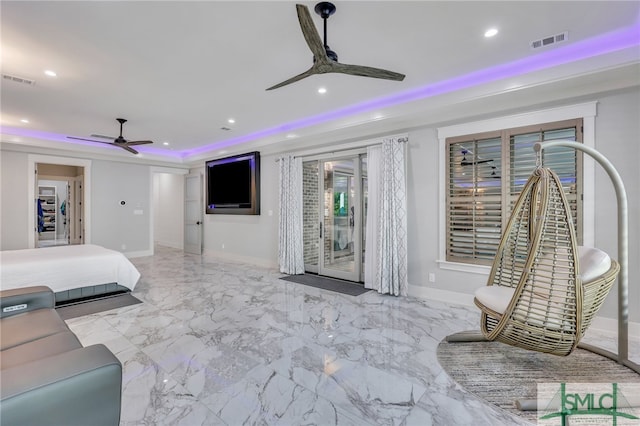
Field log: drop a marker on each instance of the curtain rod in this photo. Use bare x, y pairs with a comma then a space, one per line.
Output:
365, 144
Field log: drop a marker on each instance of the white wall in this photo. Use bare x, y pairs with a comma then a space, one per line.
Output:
123, 227
168, 209
244, 237
618, 139
15, 201
112, 225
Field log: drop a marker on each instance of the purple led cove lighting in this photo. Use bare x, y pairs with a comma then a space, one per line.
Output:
606, 43
589, 48
55, 137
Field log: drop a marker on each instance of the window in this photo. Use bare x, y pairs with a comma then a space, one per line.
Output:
485, 174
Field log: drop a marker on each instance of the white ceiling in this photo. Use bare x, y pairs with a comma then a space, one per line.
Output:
178, 70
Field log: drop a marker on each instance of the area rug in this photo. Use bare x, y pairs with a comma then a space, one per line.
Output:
501, 374
325, 283
94, 306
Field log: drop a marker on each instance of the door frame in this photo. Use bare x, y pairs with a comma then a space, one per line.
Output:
152, 171
32, 160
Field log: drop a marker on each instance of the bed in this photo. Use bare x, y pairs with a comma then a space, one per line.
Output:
72, 272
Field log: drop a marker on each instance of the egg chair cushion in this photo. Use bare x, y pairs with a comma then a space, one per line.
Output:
593, 264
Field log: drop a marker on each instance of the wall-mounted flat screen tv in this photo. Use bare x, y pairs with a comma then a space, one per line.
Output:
233, 184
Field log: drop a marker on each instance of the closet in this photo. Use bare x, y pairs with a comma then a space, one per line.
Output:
47, 208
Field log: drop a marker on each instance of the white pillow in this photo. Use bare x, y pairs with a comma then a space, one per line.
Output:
593, 263
495, 297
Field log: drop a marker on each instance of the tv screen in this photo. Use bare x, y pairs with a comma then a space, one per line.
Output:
233, 185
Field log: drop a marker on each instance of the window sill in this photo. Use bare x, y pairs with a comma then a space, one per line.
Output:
464, 267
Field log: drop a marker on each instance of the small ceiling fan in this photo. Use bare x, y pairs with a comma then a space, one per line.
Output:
465, 162
325, 60
120, 142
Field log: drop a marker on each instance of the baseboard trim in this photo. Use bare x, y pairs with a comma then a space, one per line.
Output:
448, 296
141, 253
175, 245
608, 325
239, 258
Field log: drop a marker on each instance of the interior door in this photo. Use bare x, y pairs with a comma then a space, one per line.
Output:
37, 209
75, 210
193, 213
340, 248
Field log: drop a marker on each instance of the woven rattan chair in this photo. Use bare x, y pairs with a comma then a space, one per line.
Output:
536, 297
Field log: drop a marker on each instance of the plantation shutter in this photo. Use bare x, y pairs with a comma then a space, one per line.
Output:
475, 202
565, 162
486, 174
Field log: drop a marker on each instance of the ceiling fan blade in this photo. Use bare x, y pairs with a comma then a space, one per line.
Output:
88, 140
131, 150
129, 143
471, 163
310, 32
96, 135
307, 73
363, 71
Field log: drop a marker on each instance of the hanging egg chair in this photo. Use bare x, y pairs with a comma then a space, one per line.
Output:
543, 290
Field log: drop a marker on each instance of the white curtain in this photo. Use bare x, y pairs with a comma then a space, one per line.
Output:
290, 241
386, 232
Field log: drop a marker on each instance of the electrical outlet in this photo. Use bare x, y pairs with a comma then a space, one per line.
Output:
432, 277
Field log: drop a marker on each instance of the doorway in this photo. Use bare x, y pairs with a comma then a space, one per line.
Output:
33, 160
168, 208
335, 200
59, 205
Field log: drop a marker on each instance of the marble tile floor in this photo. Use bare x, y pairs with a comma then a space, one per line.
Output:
223, 343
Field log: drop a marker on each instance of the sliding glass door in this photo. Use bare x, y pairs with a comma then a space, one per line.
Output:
333, 217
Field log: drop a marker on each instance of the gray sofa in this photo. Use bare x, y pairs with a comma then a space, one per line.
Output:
48, 377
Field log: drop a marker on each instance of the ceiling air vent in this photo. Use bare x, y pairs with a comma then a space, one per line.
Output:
17, 79
548, 41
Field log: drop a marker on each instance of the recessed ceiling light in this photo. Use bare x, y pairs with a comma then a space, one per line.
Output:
50, 73
231, 121
24, 120
291, 136
491, 32
322, 90
165, 143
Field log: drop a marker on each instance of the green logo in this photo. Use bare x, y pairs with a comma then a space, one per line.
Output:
586, 403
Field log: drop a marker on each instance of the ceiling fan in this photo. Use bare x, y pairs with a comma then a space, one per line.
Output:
120, 142
465, 162
325, 60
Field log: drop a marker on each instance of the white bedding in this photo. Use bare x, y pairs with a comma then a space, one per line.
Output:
66, 267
